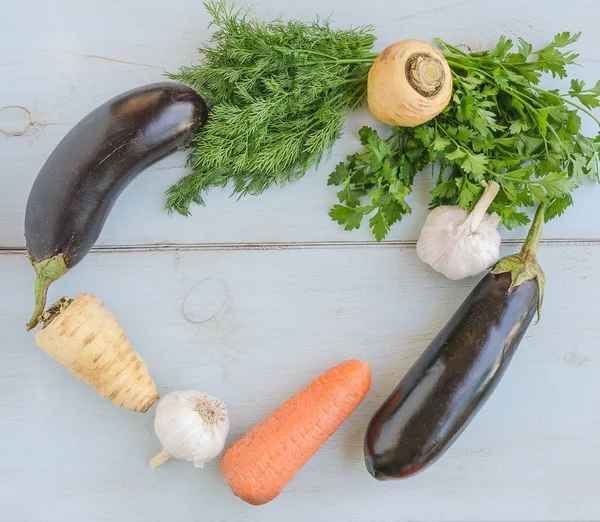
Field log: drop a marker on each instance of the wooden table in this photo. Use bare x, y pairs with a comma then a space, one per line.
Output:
251, 300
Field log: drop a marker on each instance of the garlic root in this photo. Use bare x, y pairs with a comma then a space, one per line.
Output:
85, 337
409, 83
160, 459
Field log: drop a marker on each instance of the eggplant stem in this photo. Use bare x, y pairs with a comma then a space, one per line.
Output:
524, 266
532, 241
46, 272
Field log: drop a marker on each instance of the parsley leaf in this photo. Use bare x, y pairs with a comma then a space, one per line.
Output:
498, 126
515, 220
474, 163
343, 215
378, 226
377, 181
338, 175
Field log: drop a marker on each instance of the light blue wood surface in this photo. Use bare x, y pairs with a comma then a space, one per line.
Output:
251, 300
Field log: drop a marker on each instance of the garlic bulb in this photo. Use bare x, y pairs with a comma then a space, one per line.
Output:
458, 244
190, 425
409, 83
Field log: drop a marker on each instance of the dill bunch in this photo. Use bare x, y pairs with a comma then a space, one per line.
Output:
279, 94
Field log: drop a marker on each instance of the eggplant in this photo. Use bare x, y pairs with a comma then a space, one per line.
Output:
459, 370
82, 178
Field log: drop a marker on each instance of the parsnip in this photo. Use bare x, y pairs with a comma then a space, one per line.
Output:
409, 83
86, 338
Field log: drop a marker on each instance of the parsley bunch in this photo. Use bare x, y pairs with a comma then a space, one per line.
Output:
279, 92
500, 125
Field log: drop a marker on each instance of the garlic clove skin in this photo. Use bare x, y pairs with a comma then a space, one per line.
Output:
454, 254
191, 425
459, 244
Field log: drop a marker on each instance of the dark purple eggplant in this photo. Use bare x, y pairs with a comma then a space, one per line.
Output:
85, 174
452, 379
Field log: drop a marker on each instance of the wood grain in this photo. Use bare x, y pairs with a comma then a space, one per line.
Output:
251, 300
61, 59
253, 327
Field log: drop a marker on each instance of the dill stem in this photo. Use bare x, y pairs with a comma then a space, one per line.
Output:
366, 60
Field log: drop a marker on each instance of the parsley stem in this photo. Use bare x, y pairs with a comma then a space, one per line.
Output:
457, 64
562, 145
582, 109
548, 93
509, 178
562, 97
530, 86
491, 81
448, 46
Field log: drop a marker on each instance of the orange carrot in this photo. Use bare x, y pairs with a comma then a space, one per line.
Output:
260, 463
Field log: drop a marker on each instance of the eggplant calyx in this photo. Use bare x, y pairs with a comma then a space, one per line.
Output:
46, 272
524, 266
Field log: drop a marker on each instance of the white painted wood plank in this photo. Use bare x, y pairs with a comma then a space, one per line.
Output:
59, 60
260, 325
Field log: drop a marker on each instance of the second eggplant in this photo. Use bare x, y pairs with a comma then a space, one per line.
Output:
456, 374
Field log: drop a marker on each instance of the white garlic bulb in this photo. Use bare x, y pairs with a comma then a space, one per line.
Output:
190, 425
460, 244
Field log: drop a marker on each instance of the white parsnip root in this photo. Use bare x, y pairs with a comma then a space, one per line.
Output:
86, 338
409, 83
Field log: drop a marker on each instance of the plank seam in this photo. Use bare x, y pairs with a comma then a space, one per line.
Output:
300, 245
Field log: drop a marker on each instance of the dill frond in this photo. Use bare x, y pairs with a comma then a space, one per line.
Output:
279, 94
